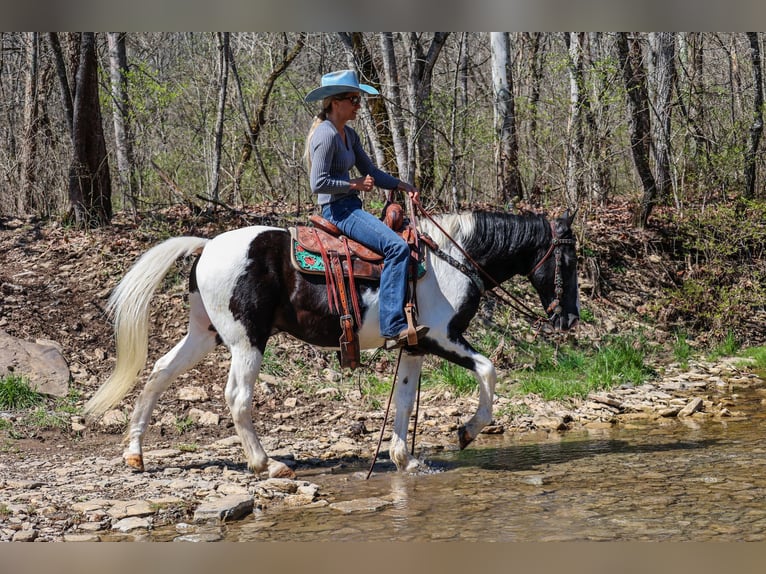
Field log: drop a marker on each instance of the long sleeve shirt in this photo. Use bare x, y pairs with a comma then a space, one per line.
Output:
331, 160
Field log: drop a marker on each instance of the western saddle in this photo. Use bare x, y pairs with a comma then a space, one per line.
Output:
342, 260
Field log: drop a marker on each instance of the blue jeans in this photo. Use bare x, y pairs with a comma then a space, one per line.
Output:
357, 224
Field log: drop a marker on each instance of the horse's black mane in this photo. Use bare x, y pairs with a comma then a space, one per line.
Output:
497, 233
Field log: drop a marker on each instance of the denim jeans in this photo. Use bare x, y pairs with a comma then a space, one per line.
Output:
357, 224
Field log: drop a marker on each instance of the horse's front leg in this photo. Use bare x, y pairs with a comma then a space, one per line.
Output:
487, 377
404, 400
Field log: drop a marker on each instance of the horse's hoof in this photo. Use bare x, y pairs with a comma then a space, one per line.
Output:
135, 461
280, 470
464, 439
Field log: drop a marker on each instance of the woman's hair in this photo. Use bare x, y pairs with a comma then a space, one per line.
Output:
318, 119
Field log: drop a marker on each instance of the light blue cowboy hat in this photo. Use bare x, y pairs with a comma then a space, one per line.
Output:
338, 83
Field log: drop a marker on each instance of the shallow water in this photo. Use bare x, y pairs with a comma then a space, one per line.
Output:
694, 480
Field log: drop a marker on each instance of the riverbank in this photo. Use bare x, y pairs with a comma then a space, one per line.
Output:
81, 490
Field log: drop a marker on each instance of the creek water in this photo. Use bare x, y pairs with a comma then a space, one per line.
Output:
681, 480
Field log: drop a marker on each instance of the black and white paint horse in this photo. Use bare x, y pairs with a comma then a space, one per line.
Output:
243, 288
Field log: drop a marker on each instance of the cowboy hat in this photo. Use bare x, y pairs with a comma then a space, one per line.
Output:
338, 83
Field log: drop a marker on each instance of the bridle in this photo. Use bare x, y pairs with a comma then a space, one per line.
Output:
554, 308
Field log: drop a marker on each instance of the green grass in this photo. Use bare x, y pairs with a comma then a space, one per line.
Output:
682, 350
727, 347
445, 374
561, 372
15, 393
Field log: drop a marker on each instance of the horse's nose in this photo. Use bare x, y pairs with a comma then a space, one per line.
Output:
571, 320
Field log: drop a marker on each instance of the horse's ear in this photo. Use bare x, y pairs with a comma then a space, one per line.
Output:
567, 219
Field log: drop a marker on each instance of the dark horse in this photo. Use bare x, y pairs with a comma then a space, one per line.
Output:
243, 288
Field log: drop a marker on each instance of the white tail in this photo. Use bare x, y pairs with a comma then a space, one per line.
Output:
129, 307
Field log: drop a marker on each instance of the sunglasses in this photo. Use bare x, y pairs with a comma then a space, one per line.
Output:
355, 100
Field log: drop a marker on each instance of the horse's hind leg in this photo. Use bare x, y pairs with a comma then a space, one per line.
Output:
245, 364
197, 343
404, 400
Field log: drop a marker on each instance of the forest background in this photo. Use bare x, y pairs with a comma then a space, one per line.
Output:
664, 128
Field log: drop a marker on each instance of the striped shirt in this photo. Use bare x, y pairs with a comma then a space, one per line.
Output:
331, 161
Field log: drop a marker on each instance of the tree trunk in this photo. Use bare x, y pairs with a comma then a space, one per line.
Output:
507, 149
27, 200
65, 86
756, 128
640, 125
534, 102
361, 59
393, 101
457, 123
223, 82
90, 190
575, 133
662, 77
123, 137
420, 140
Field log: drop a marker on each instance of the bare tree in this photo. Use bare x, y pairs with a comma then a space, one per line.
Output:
575, 133
420, 139
90, 188
360, 59
507, 150
662, 77
631, 61
756, 128
534, 41
255, 124
223, 82
393, 101
123, 137
28, 160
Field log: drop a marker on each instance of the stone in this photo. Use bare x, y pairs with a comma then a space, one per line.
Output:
131, 523
204, 418
692, 407
192, 394
25, 535
41, 362
232, 507
87, 537
114, 418
128, 508
361, 505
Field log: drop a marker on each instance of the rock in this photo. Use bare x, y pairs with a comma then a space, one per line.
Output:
131, 523
86, 537
192, 394
692, 407
204, 418
25, 535
114, 419
127, 508
41, 362
361, 505
199, 537
232, 507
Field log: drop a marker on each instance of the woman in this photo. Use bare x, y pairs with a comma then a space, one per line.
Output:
332, 149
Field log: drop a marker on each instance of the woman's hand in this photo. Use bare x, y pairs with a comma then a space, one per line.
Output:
411, 190
365, 183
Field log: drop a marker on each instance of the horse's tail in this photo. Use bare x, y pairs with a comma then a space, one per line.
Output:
128, 306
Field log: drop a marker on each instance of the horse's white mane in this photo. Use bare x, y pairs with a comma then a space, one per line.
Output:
456, 225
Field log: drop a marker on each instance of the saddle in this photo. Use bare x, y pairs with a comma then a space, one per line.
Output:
323, 249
